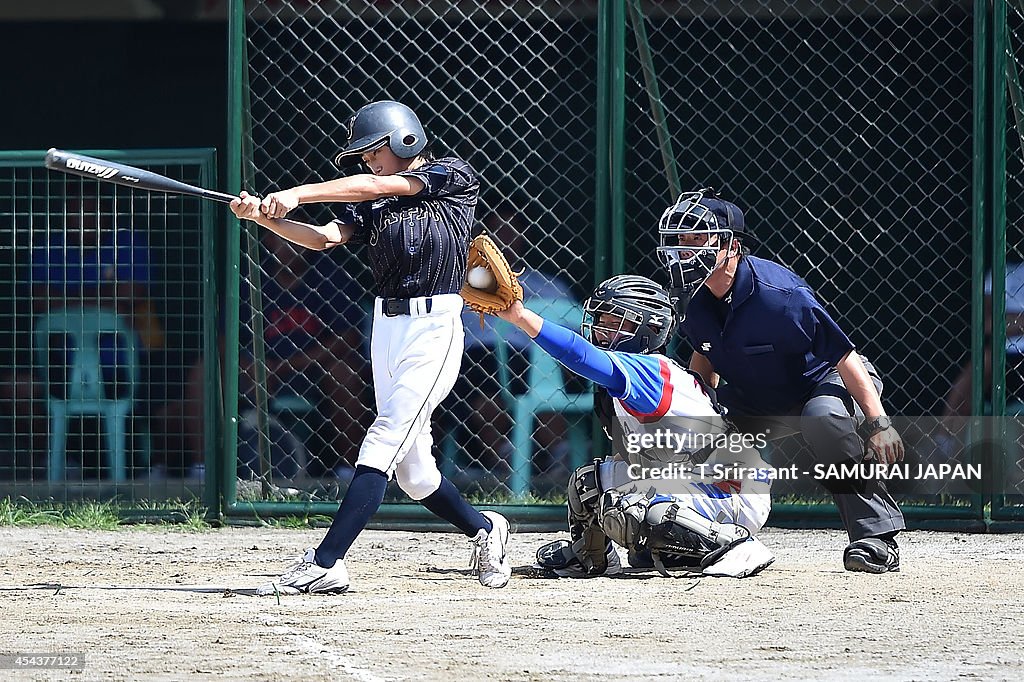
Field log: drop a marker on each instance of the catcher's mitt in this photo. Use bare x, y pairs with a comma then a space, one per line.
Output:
505, 290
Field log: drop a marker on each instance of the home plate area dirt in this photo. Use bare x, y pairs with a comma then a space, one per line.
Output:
157, 603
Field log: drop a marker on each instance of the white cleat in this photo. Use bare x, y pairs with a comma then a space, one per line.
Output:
744, 560
489, 559
306, 576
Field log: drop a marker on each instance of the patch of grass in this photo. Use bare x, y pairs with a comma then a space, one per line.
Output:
91, 515
304, 521
801, 500
102, 515
186, 515
22, 512
496, 498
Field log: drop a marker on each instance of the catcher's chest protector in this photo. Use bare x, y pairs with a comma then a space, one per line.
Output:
604, 405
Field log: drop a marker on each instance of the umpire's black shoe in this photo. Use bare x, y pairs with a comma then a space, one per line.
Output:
872, 555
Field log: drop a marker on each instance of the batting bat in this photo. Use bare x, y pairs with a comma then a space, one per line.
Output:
129, 176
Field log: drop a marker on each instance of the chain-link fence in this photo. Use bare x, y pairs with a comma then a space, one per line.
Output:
843, 130
1008, 499
510, 90
104, 297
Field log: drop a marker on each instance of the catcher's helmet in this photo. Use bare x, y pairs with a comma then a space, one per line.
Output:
634, 299
380, 123
693, 230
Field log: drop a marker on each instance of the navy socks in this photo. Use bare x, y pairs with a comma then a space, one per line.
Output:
447, 503
364, 496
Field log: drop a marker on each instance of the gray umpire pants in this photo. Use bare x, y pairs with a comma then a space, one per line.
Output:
828, 422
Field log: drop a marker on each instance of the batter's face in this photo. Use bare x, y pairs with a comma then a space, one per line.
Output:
384, 162
610, 328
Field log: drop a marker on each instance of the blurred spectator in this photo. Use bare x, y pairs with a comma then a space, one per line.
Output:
313, 342
478, 388
951, 437
84, 261
958, 401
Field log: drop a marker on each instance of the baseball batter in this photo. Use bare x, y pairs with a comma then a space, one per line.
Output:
693, 519
414, 214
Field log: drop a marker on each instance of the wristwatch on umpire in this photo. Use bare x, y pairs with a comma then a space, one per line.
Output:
872, 426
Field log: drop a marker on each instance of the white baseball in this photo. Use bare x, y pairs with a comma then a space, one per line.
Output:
480, 278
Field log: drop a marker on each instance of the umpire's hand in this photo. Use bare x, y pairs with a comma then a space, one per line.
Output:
885, 447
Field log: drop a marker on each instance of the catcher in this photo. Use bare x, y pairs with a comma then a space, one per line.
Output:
701, 522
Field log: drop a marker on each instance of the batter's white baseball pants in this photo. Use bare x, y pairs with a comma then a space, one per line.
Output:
416, 359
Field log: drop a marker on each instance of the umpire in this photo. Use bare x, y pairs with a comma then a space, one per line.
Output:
786, 363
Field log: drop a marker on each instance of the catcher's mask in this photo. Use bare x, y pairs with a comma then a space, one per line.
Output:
383, 123
633, 299
692, 231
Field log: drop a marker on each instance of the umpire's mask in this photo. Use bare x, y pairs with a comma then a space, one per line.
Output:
691, 233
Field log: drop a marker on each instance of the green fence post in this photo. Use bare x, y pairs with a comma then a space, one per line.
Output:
601, 169
236, 65
212, 403
979, 217
255, 286
998, 218
617, 134
668, 158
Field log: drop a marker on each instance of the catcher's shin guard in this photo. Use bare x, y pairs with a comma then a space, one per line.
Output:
588, 556
583, 493
661, 524
589, 543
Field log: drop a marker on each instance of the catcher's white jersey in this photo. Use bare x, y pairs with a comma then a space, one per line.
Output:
664, 411
666, 408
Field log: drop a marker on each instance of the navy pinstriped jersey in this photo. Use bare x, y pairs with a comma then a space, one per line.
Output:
418, 244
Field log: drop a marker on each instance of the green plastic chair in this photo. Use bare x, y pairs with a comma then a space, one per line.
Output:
545, 392
82, 329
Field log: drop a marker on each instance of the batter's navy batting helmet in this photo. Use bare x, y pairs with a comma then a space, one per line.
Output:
380, 123
693, 230
635, 299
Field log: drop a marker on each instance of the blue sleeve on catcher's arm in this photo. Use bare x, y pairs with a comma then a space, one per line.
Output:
649, 383
582, 357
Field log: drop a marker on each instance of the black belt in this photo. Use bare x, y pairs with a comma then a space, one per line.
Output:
393, 307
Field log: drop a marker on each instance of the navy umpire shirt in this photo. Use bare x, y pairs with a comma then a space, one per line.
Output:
769, 338
418, 244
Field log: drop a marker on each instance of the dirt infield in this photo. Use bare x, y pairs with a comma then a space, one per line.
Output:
145, 603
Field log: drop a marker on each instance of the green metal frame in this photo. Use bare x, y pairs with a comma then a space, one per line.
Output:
1003, 80
228, 443
206, 160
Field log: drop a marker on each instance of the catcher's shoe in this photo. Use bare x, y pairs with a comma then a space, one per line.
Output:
743, 560
559, 558
489, 559
306, 576
872, 555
